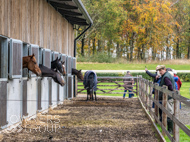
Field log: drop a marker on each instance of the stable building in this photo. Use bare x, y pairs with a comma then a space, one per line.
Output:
45, 28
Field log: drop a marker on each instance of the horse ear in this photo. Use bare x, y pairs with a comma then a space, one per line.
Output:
32, 55
60, 59
79, 70
56, 58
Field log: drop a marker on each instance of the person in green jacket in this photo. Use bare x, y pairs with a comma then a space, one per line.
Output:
167, 80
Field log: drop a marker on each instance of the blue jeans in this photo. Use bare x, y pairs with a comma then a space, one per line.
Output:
130, 94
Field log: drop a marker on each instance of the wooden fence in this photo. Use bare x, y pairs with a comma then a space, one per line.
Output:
146, 97
113, 85
143, 88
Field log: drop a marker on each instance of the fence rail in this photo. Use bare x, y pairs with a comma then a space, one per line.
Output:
145, 95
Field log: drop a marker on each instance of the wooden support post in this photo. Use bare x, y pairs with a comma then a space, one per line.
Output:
164, 104
140, 86
150, 96
143, 89
137, 86
176, 114
147, 94
157, 100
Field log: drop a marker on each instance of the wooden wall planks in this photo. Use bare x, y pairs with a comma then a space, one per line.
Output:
36, 22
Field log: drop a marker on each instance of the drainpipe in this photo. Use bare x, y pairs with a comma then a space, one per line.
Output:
75, 46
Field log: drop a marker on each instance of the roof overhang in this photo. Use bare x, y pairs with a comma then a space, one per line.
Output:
72, 10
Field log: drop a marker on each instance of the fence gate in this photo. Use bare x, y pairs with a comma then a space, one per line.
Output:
3, 80
45, 83
113, 85
69, 78
14, 97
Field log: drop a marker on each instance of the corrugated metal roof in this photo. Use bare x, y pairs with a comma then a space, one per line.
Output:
73, 10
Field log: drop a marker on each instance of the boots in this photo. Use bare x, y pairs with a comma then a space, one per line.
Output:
170, 125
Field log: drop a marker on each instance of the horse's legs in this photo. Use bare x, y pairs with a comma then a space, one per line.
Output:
92, 95
87, 94
95, 95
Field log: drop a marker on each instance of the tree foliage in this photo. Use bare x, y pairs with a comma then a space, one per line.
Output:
134, 28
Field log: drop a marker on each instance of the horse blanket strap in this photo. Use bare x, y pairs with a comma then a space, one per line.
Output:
86, 78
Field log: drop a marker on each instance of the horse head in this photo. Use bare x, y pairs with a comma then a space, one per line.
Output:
57, 64
30, 63
78, 73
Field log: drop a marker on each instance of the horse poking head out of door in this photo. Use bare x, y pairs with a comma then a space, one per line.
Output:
30, 63
47, 72
78, 73
90, 84
58, 65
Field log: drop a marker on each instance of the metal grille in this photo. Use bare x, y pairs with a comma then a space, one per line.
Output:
3, 103
47, 58
25, 53
64, 57
15, 64
24, 106
55, 55
40, 56
34, 49
74, 63
3, 57
69, 65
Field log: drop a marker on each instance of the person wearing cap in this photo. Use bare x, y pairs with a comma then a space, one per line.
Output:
167, 80
153, 75
128, 82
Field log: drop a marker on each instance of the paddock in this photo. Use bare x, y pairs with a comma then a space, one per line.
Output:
108, 119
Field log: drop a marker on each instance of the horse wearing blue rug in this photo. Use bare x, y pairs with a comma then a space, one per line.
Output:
90, 84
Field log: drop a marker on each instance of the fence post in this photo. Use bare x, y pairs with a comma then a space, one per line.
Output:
137, 86
140, 86
147, 83
176, 114
150, 95
164, 104
156, 99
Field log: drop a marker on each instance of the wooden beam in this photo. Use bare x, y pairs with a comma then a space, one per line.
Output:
79, 23
66, 12
61, 1
75, 19
62, 5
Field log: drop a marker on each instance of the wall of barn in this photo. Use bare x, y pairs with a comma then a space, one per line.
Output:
36, 22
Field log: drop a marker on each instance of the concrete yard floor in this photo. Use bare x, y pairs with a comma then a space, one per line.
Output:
108, 119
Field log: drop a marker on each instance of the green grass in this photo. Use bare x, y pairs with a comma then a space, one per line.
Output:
184, 91
129, 66
183, 136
